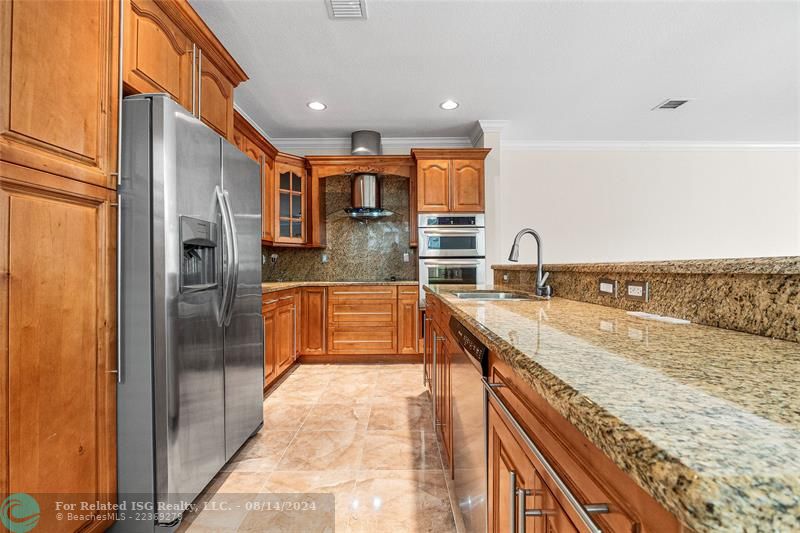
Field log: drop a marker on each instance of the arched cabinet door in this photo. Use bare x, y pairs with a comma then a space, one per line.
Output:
433, 186
157, 54
215, 98
466, 186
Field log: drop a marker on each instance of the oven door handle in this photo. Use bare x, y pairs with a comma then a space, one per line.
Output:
452, 231
451, 262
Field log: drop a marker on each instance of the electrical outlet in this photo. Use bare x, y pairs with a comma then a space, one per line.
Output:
324, 257
273, 258
607, 286
406, 257
505, 278
637, 290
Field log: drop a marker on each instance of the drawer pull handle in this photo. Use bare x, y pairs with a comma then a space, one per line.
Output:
271, 302
285, 297
582, 511
362, 292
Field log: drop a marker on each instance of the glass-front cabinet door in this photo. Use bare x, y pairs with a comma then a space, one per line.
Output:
290, 199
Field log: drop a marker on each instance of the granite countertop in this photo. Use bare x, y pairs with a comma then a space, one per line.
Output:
274, 286
706, 420
789, 265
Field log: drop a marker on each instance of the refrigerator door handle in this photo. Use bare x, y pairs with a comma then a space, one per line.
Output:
226, 228
234, 273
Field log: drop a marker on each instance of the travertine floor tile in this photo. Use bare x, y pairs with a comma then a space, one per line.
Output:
323, 450
347, 417
400, 450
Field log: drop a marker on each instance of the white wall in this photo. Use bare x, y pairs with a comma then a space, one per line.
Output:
647, 204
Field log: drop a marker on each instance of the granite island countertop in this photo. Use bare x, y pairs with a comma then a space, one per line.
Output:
274, 286
706, 420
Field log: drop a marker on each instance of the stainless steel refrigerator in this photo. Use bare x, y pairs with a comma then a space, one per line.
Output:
191, 337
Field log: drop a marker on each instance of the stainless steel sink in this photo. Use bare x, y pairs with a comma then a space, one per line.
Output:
494, 295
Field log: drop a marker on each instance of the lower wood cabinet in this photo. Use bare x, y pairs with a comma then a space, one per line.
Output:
313, 303
340, 320
58, 363
279, 312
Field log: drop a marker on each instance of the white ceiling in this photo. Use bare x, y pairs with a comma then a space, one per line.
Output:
558, 71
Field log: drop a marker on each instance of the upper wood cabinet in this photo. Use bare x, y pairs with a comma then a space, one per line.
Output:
158, 55
290, 200
257, 148
169, 49
58, 78
215, 97
450, 180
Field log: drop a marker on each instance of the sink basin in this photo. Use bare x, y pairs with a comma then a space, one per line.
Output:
494, 295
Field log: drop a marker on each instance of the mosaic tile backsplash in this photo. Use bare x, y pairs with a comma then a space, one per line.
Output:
357, 251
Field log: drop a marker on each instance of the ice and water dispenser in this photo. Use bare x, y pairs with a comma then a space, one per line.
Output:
198, 264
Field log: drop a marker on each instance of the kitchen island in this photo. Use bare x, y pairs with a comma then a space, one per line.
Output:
706, 421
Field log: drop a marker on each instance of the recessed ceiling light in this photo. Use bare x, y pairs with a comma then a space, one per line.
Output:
449, 105
316, 106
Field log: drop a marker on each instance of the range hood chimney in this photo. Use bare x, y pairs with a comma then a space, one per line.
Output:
366, 186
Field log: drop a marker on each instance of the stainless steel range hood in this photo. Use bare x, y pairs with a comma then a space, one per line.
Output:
366, 187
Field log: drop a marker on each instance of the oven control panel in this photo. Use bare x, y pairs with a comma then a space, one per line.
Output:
470, 343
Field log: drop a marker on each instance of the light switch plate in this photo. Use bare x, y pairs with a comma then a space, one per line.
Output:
607, 287
637, 290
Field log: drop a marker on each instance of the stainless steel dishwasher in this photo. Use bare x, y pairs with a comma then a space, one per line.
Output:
468, 366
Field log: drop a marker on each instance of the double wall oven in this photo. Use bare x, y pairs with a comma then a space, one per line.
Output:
452, 250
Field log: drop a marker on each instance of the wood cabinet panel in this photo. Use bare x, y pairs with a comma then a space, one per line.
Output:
466, 186
215, 98
285, 333
363, 292
290, 210
313, 322
433, 186
270, 345
407, 336
57, 261
362, 340
58, 72
158, 54
367, 313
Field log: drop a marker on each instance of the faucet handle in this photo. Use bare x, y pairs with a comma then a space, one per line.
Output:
544, 278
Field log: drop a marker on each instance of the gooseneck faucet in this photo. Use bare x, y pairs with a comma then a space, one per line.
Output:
541, 288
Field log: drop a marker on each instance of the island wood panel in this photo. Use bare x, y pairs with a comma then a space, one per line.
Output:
590, 474
158, 55
58, 73
57, 370
313, 320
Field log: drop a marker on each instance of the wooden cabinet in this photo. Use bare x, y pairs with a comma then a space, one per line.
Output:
158, 55
214, 97
407, 335
450, 180
290, 200
313, 303
467, 186
279, 310
362, 319
270, 345
286, 334
169, 49
433, 186
57, 381
257, 148
58, 65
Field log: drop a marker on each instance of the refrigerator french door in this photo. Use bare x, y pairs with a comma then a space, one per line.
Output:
191, 348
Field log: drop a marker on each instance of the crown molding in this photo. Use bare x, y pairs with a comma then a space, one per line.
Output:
341, 145
483, 127
253, 123
653, 146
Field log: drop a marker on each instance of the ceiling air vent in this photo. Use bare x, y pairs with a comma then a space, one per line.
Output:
671, 103
347, 9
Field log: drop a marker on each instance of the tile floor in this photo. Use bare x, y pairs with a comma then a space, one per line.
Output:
362, 433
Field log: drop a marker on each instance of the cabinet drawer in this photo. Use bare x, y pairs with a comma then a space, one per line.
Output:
363, 292
272, 300
408, 292
362, 340
371, 313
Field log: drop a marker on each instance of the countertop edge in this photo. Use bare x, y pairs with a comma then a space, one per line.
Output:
786, 265
275, 286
